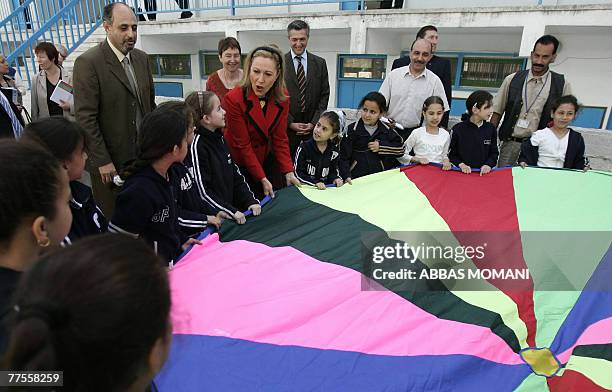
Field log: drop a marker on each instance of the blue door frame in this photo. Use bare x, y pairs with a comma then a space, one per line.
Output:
349, 91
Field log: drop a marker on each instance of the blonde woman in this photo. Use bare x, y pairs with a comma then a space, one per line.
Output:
256, 123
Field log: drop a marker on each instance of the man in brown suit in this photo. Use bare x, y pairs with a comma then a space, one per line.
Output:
113, 90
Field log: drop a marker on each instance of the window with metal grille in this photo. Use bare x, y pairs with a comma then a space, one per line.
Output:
363, 66
487, 72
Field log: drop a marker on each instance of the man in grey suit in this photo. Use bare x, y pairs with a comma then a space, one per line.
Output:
308, 84
113, 90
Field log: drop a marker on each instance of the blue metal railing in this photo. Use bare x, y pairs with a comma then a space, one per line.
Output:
154, 7
62, 22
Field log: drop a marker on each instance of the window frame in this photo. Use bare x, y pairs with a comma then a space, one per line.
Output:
156, 60
341, 57
456, 79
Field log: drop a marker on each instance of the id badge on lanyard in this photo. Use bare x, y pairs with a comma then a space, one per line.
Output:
523, 122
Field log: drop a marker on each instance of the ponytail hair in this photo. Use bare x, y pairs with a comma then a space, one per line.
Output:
478, 99
201, 103
161, 130
94, 310
337, 121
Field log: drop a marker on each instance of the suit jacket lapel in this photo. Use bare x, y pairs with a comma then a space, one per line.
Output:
310, 73
272, 112
256, 116
42, 82
140, 73
115, 67
290, 68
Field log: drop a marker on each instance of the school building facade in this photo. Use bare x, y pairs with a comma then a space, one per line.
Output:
484, 44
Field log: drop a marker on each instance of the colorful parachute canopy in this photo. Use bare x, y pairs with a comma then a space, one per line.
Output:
286, 302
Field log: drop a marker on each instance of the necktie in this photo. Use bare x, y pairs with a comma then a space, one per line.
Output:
132, 79
17, 127
301, 77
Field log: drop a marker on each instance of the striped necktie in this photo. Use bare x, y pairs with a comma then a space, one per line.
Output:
17, 127
301, 78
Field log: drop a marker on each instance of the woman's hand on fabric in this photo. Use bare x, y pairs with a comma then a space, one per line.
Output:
338, 182
446, 165
320, 185
268, 190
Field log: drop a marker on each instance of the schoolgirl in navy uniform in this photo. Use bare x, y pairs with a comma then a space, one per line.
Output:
218, 179
316, 159
67, 141
98, 310
34, 214
157, 200
369, 146
474, 139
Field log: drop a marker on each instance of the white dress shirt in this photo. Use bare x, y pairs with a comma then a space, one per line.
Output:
405, 94
304, 62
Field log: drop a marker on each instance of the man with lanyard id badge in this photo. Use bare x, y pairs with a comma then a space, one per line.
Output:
525, 98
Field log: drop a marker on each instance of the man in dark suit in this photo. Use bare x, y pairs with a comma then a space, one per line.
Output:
308, 84
113, 90
441, 67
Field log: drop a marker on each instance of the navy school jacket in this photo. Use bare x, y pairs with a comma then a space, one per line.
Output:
218, 179
313, 166
157, 210
87, 218
473, 146
574, 155
356, 160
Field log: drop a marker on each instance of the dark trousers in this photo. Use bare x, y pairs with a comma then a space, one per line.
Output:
151, 5
104, 194
295, 140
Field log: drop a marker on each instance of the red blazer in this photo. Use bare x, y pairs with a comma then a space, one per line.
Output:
251, 136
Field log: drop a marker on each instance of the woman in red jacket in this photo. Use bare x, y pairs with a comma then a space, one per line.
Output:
256, 123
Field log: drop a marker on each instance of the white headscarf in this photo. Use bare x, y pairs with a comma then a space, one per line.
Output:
342, 118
